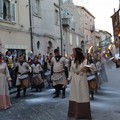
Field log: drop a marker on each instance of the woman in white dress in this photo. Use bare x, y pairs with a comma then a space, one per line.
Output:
79, 102
5, 80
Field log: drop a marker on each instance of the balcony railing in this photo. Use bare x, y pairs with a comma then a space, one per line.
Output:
66, 22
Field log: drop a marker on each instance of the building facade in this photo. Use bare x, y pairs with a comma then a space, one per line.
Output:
105, 40
15, 26
87, 25
72, 36
45, 26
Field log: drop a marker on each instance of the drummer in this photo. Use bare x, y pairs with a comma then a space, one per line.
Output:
37, 81
23, 70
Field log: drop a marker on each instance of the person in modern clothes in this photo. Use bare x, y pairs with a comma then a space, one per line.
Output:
5, 80
9, 59
79, 101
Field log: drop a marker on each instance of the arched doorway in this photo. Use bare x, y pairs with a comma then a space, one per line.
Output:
49, 47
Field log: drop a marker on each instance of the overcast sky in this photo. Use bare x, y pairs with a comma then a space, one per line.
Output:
102, 10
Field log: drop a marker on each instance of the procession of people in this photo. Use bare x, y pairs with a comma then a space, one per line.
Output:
84, 72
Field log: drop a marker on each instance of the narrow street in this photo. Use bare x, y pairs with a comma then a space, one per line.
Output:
41, 105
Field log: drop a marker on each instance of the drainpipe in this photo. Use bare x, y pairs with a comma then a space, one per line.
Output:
31, 33
61, 37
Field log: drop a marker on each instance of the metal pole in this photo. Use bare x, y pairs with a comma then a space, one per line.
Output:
31, 34
61, 37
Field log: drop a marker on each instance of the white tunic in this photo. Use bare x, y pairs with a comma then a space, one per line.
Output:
22, 69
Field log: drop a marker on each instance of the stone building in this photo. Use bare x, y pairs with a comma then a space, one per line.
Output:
72, 36
15, 26
45, 26
87, 26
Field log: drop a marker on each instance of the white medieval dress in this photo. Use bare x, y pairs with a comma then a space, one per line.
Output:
36, 69
4, 91
79, 101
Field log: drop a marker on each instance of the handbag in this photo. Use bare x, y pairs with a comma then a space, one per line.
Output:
24, 80
56, 77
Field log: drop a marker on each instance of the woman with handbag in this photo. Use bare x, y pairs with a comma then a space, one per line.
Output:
79, 102
37, 81
23, 76
5, 80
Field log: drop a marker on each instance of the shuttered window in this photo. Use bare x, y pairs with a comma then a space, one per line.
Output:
1, 9
13, 12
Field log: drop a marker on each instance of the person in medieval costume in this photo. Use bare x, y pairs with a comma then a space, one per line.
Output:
23, 76
79, 101
5, 80
36, 81
58, 73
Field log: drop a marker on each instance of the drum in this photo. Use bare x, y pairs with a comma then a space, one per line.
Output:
24, 81
92, 83
36, 81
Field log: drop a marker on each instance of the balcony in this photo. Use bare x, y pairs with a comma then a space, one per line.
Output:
92, 28
66, 22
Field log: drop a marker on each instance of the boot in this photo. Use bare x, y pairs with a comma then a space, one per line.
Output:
92, 95
18, 91
57, 92
24, 92
63, 92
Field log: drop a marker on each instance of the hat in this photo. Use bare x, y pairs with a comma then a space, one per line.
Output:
56, 50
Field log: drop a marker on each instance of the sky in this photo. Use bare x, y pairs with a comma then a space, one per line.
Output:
102, 10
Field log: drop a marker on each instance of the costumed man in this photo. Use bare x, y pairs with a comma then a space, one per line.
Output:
37, 81
23, 76
58, 73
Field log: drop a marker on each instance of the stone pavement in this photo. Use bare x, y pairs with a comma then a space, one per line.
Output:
41, 105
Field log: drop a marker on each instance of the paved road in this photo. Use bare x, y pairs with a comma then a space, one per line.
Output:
41, 105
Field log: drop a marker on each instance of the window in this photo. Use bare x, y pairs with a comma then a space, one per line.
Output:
71, 42
38, 44
56, 16
7, 10
77, 40
37, 8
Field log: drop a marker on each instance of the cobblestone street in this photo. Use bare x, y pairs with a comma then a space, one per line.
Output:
41, 105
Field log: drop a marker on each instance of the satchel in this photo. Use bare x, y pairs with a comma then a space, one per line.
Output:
56, 77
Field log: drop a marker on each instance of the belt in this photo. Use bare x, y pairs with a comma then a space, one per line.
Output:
59, 72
